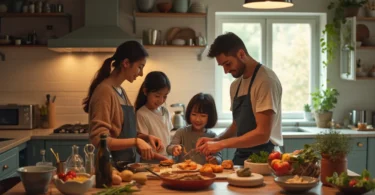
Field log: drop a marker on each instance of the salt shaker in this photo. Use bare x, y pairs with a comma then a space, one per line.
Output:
89, 159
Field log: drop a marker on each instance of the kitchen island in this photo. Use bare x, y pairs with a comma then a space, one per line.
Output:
219, 187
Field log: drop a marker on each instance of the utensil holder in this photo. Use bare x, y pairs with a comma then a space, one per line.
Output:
52, 115
60, 167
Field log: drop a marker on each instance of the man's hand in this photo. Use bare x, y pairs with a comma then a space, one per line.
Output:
203, 140
211, 160
156, 143
210, 147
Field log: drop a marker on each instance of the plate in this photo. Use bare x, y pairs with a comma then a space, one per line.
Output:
254, 180
225, 174
175, 168
191, 185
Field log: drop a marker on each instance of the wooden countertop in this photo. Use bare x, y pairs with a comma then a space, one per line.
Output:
218, 187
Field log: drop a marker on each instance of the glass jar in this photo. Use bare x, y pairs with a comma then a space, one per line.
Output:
75, 161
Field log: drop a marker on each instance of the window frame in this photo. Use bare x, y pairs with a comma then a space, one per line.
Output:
266, 20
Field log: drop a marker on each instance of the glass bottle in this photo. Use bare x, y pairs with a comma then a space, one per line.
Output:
103, 164
89, 159
43, 162
75, 161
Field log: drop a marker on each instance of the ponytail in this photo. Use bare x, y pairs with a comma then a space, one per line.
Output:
102, 74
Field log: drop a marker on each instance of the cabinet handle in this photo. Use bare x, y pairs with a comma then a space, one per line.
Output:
5, 167
359, 144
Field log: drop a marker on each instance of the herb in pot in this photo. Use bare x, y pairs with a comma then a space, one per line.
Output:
262, 157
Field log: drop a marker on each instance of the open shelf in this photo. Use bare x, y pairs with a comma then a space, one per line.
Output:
366, 48
29, 46
366, 19
18, 15
365, 78
173, 46
158, 14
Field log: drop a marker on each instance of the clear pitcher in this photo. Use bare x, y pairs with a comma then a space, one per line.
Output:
75, 161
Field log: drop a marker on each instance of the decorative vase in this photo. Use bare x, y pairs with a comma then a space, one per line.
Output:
323, 119
145, 5
328, 167
351, 11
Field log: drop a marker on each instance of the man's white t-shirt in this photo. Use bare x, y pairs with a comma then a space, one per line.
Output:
155, 122
265, 95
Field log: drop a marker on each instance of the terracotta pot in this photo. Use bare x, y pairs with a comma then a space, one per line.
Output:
323, 119
351, 11
328, 167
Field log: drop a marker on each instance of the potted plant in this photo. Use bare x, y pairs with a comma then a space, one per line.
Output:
258, 163
334, 148
342, 9
323, 103
307, 114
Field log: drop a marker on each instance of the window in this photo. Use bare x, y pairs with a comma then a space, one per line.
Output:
287, 44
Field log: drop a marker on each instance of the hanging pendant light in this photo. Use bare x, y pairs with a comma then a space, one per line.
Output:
267, 4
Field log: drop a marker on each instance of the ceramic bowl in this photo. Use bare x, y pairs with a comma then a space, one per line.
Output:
164, 7
36, 179
351, 190
260, 168
72, 187
296, 187
178, 42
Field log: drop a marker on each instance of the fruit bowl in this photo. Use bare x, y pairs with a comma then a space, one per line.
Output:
74, 187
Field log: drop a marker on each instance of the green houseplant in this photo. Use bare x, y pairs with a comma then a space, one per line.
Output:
307, 114
341, 10
334, 147
323, 103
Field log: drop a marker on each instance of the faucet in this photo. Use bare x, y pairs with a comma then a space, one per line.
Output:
2, 55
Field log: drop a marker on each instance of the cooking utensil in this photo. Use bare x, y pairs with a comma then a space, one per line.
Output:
48, 96
191, 153
157, 175
122, 165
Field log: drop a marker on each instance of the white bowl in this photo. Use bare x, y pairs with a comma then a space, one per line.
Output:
296, 187
178, 42
74, 187
36, 179
260, 168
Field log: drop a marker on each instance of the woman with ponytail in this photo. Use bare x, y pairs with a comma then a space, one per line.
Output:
110, 111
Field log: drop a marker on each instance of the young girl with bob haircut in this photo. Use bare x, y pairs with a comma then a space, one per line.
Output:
200, 115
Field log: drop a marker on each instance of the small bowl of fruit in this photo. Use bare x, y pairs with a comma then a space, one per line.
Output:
73, 183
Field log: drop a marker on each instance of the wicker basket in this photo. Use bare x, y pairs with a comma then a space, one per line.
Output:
308, 169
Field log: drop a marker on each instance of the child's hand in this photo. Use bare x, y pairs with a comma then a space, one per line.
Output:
211, 160
176, 151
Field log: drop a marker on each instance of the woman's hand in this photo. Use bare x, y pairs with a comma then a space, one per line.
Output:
159, 157
176, 150
156, 143
203, 140
144, 149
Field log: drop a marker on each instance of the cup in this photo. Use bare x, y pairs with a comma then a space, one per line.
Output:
60, 167
17, 42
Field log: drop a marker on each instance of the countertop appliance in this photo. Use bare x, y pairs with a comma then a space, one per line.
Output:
18, 116
72, 129
363, 116
178, 119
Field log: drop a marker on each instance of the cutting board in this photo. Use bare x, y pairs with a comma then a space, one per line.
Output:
226, 173
254, 180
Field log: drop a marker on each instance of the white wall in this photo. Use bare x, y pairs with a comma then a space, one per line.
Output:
29, 73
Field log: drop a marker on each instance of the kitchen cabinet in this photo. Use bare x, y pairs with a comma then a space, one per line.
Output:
154, 15
291, 145
371, 156
357, 158
350, 53
64, 148
33, 151
8, 163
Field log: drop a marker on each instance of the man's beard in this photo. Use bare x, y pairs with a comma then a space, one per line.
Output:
240, 70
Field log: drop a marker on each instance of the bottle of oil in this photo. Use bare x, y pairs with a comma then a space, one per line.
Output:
103, 164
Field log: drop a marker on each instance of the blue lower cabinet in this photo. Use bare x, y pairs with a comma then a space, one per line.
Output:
33, 151
357, 158
63, 148
9, 162
292, 144
371, 156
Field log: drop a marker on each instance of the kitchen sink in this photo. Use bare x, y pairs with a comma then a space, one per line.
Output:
5, 139
294, 130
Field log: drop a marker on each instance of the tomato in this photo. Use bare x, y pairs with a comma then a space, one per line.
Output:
72, 173
274, 155
281, 167
61, 175
352, 182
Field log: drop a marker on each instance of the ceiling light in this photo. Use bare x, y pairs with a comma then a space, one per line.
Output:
267, 4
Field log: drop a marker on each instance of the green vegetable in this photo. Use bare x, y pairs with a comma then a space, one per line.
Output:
261, 158
362, 181
118, 190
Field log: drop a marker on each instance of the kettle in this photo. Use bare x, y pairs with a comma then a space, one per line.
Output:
178, 119
363, 116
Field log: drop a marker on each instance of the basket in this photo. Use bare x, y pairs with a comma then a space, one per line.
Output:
308, 169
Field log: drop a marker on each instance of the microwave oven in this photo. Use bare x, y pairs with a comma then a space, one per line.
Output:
14, 116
